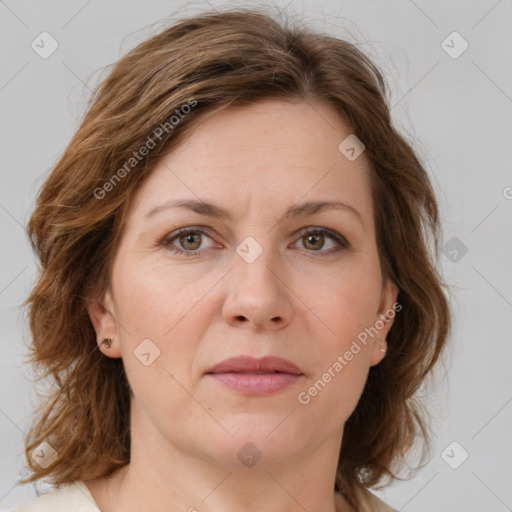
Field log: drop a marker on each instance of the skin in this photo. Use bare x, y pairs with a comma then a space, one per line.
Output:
292, 302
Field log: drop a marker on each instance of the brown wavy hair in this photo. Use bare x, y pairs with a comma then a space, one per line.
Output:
218, 60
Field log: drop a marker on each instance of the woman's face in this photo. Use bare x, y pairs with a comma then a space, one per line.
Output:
250, 282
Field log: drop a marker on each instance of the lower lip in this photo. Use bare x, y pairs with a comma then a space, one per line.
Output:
256, 384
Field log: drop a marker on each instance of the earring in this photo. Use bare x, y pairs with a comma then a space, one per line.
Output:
383, 350
107, 341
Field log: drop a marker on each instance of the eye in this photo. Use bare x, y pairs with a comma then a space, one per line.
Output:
314, 239
187, 242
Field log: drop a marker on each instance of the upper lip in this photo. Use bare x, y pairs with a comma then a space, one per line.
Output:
247, 364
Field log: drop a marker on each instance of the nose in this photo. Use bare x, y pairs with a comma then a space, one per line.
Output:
258, 294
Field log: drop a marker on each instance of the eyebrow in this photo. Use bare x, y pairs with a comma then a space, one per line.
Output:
212, 210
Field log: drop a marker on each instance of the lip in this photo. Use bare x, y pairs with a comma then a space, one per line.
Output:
252, 376
248, 364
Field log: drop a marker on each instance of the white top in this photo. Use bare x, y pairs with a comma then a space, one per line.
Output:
76, 497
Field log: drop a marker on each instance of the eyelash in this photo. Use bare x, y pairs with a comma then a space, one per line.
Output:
340, 240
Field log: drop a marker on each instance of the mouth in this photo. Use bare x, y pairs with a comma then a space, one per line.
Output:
256, 383
251, 373
248, 364
256, 376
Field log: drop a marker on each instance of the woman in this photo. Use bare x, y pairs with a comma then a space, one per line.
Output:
236, 301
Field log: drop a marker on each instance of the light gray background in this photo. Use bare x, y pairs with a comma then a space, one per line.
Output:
456, 110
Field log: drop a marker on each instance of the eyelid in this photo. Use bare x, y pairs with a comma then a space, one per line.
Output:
342, 243
325, 231
167, 240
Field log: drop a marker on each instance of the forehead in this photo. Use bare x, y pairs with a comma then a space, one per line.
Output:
273, 153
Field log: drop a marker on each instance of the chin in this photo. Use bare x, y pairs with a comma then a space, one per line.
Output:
264, 440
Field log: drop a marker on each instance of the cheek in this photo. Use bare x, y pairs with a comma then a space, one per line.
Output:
152, 298
342, 361
152, 308
158, 342
348, 301
347, 304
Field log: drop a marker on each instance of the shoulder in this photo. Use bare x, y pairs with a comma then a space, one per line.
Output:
371, 503
73, 497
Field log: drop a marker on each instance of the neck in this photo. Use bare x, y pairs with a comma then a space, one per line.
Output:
172, 477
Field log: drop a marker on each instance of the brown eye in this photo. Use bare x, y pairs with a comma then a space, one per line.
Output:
316, 239
190, 241
313, 242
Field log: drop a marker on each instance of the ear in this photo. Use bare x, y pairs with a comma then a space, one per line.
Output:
101, 311
384, 319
